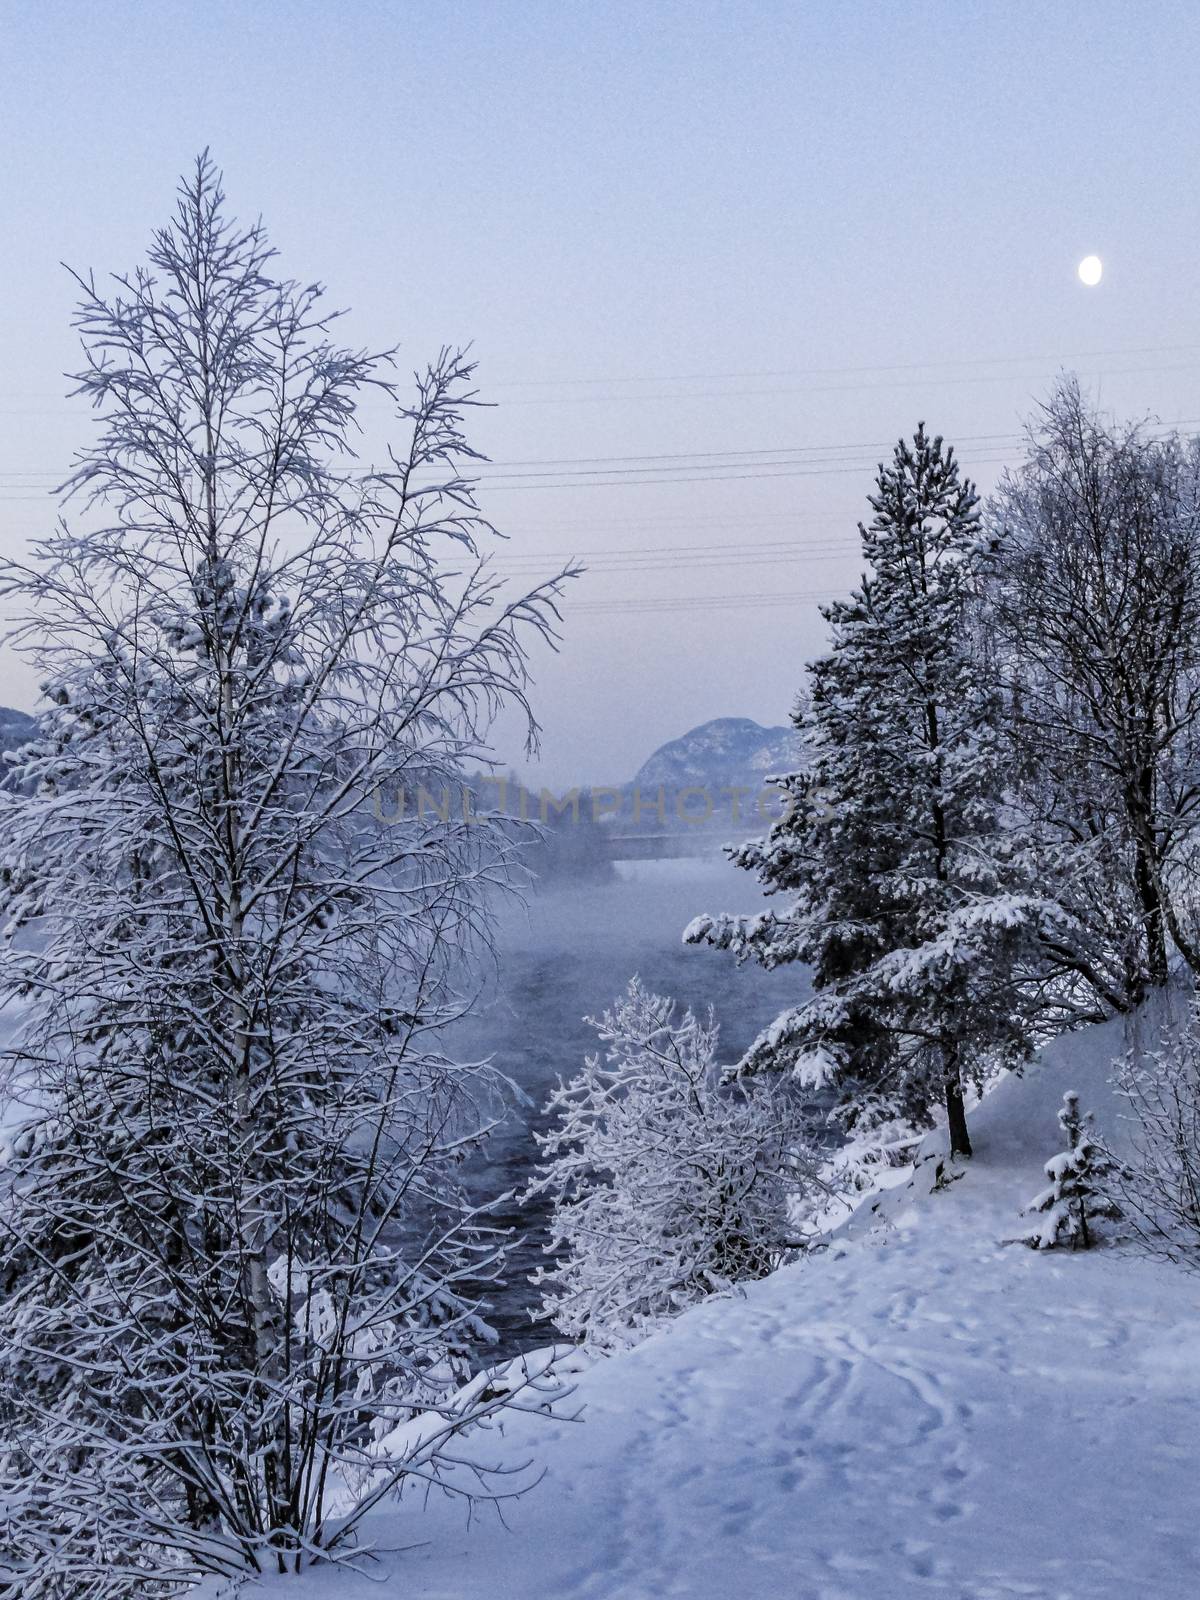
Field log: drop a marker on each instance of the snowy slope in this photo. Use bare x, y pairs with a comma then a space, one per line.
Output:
919, 1411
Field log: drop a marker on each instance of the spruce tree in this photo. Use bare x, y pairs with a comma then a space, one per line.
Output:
892, 849
1077, 1177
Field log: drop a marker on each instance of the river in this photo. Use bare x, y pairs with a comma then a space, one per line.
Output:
567, 956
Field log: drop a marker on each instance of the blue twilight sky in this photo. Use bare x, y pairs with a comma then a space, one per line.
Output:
688, 231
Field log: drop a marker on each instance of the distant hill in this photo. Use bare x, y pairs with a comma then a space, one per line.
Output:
728, 761
15, 728
720, 754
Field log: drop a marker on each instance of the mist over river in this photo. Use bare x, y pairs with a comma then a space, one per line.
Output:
567, 955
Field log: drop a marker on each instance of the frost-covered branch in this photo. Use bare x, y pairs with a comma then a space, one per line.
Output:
665, 1185
237, 1263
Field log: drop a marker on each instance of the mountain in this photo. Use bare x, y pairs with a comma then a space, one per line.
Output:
727, 752
15, 728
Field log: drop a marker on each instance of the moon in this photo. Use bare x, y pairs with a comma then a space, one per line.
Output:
1091, 270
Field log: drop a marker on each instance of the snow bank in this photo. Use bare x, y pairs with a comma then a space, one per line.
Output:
920, 1410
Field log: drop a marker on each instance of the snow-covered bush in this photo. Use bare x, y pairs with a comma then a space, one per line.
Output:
664, 1184
1159, 1181
1080, 1177
873, 1156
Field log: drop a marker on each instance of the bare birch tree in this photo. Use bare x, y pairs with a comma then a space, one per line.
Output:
1097, 620
233, 1246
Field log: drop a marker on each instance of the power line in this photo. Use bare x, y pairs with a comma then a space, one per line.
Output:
636, 552
636, 476
776, 450
733, 559
635, 463
838, 388
773, 372
669, 557
659, 605
592, 478
493, 472
790, 458
820, 372
629, 479
930, 369
633, 482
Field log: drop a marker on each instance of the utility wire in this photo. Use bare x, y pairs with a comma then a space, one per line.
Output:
491, 472
822, 372
929, 369
661, 605
654, 552
631, 479
780, 372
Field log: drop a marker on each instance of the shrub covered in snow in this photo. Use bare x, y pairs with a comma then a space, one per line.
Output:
1159, 1183
1079, 1176
665, 1185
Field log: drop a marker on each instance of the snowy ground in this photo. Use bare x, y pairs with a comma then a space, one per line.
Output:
919, 1411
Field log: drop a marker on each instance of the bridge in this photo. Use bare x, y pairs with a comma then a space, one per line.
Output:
690, 844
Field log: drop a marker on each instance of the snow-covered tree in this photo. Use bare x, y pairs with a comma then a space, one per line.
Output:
233, 1248
903, 899
665, 1185
1094, 608
1158, 1182
1080, 1178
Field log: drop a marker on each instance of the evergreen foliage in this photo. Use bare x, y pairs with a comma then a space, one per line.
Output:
1079, 1176
904, 898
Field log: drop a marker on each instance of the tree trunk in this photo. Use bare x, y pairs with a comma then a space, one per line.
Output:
956, 1115
1152, 918
1140, 802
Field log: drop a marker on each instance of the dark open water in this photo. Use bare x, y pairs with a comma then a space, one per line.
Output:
568, 955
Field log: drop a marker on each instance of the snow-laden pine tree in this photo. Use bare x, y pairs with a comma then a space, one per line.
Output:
665, 1185
1080, 1176
892, 852
233, 1248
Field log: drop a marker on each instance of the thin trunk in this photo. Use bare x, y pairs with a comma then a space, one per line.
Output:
1085, 1240
1146, 878
956, 1114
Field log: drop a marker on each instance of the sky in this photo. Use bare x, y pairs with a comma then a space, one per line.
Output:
712, 260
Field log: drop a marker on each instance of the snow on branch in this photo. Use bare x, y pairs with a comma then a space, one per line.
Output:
665, 1185
241, 1278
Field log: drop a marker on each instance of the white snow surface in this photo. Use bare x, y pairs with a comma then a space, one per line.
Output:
920, 1410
